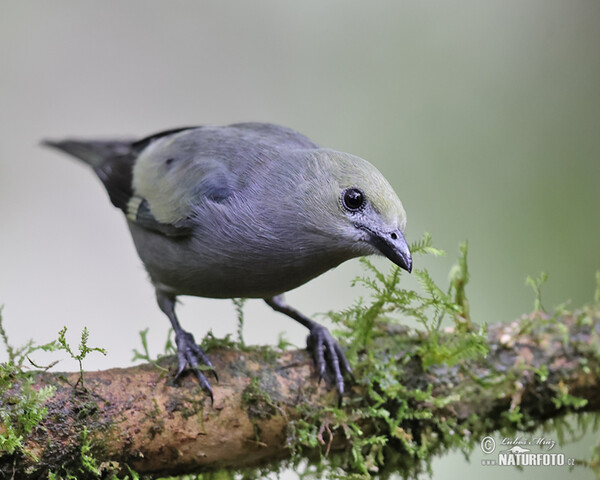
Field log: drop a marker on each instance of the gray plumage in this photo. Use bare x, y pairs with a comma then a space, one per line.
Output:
246, 210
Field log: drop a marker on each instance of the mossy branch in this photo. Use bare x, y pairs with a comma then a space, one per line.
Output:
268, 405
417, 393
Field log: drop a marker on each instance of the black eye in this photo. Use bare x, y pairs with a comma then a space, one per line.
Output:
353, 199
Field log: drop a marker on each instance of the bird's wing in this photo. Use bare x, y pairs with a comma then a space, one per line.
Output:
177, 171
159, 181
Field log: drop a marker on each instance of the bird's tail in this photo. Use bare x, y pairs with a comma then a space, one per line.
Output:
112, 160
93, 153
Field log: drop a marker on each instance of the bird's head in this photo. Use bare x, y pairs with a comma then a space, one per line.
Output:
362, 208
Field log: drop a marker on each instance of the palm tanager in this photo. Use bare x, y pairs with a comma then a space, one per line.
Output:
249, 210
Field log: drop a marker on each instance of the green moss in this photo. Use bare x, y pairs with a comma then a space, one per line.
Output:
408, 423
239, 309
210, 342
23, 406
88, 462
157, 423
144, 355
84, 350
404, 419
257, 402
565, 399
536, 285
23, 410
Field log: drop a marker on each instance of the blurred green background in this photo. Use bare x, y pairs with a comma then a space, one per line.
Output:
485, 117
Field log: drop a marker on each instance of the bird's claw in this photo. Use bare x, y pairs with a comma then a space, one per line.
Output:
328, 355
189, 353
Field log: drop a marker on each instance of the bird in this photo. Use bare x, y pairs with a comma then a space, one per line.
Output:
248, 210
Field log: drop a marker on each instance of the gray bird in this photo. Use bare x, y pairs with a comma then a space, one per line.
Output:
247, 210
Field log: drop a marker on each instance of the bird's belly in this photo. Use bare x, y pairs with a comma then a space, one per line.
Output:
202, 283
183, 267
248, 280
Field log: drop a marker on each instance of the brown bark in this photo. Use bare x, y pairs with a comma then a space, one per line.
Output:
139, 417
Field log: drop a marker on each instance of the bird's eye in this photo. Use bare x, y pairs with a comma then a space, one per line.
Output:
353, 199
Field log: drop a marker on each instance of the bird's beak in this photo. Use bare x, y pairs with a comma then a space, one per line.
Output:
393, 246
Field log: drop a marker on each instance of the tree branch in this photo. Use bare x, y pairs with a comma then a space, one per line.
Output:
138, 417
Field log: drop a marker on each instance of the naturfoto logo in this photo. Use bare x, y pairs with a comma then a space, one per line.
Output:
523, 452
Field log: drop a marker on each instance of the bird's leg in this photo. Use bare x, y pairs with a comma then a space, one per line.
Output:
326, 352
188, 351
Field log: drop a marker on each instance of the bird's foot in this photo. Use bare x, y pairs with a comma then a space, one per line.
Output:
190, 353
328, 355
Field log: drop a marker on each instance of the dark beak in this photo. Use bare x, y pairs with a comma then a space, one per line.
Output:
393, 246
